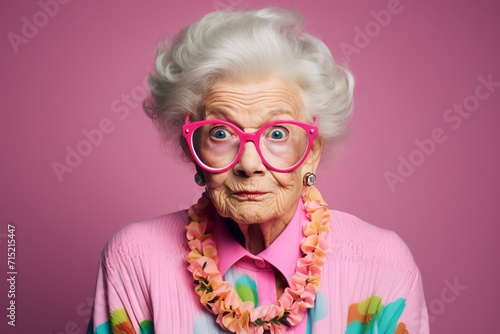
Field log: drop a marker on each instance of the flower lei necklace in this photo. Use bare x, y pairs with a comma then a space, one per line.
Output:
219, 297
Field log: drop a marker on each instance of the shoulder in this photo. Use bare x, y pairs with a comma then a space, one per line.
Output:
162, 234
350, 227
356, 240
369, 264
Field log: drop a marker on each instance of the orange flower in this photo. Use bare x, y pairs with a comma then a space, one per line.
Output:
195, 230
321, 216
310, 244
312, 228
314, 280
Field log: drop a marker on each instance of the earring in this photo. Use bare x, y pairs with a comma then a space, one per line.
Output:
309, 179
199, 179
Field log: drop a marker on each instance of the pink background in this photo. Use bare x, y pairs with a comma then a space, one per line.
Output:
75, 70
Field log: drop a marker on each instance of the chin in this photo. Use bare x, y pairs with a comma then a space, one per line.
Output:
250, 213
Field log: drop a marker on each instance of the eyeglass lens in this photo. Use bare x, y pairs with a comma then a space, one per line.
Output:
281, 145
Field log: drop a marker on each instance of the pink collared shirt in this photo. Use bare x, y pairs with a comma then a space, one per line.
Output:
369, 284
282, 254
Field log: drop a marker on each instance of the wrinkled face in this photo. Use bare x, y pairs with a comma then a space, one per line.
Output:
249, 193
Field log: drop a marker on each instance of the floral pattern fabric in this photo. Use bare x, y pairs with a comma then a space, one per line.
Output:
370, 316
120, 323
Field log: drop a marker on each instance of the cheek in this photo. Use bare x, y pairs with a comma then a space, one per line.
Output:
215, 187
288, 187
292, 180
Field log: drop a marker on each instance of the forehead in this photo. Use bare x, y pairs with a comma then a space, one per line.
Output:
254, 102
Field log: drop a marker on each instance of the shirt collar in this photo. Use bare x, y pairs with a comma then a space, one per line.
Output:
283, 253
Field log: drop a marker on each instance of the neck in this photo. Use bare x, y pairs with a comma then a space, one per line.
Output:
257, 237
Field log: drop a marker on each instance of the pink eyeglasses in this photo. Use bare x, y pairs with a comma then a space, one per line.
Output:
217, 145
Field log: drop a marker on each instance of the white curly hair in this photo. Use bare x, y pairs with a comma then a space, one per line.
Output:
247, 45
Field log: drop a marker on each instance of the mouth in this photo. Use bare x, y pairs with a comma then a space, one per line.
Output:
249, 195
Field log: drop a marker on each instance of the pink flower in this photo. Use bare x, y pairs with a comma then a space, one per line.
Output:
204, 268
232, 300
276, 328
267, 312
308, 296
201, 248
296, 312
298, 283
303, 264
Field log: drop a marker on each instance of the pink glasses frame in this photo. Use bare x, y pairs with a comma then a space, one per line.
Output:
189, 128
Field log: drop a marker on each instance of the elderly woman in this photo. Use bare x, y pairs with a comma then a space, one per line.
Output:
252, 100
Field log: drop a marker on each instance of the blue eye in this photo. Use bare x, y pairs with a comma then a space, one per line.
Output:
277, 134
219, 134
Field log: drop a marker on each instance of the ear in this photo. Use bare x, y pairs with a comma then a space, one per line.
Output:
312, 161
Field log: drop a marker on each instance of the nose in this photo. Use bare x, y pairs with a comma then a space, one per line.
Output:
250, 162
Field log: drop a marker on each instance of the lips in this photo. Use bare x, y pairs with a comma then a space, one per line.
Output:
249, 195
